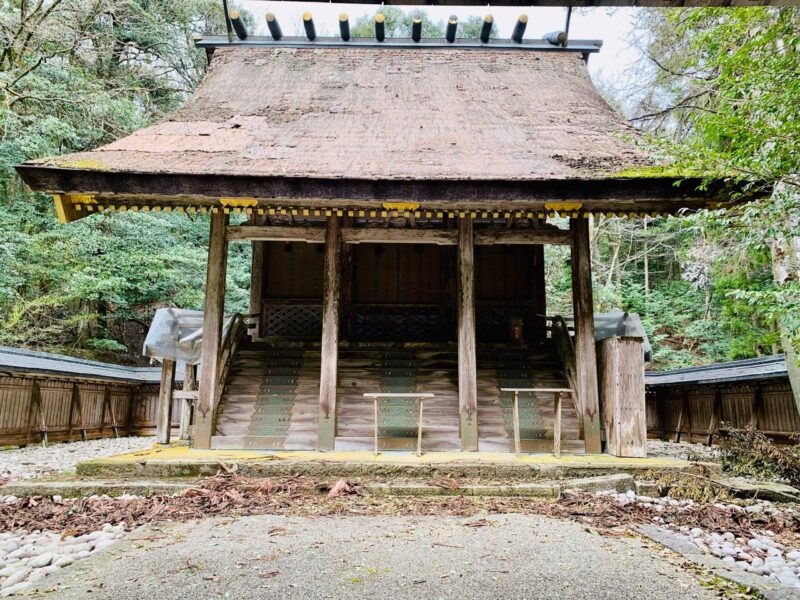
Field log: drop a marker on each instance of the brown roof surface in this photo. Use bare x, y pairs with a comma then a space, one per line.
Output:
380, 113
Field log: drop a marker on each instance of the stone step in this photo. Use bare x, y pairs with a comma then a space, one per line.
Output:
85, 488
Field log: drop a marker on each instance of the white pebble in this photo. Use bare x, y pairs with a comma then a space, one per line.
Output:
14, 589
42, 560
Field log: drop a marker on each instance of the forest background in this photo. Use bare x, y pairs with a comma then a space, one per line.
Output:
717, 91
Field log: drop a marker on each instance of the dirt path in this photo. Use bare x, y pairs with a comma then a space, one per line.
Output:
499, 556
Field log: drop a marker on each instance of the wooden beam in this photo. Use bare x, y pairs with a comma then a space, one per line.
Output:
164, 417
585, 354
212, 330
467, 368
388, 235
275, 233
189, 383
330, 337
257, 285
628, 195
522, 236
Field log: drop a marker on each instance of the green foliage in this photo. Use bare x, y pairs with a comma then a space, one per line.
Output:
397, 24
723, 99
74, 77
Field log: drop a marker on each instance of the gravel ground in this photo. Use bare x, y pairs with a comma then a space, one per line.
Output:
509, 556
35, 461
682, 450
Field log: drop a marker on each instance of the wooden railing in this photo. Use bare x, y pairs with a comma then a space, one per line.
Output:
420, 399
228, 348
560, 334
557, 393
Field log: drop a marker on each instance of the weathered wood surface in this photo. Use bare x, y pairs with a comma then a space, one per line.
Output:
212, 330
133, 405
523, 236
393, 235
539, 368
387, 235
766, 405
539, 304
465, 307
583, 309
164, 424
257, 287
275, 233
187, 405
289, 374
622, 397
271, 399
330, 336
386, 369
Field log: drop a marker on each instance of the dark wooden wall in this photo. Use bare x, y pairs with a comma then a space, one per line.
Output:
767, 405
402, 292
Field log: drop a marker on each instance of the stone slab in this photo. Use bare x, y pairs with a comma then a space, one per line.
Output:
166, 461
539, 490
618, 482
83, 489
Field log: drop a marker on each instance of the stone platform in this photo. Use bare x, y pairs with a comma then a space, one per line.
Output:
183, 461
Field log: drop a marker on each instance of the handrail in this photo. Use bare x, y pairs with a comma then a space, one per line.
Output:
566, 351
228, 347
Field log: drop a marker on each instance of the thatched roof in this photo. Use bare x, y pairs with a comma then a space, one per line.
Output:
383, 114
375, 123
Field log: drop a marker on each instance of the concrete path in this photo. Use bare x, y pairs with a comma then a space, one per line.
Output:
510, 556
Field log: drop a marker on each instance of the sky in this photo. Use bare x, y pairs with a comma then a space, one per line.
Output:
613, 27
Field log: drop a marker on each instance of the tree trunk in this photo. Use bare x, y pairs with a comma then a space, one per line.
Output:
786, 271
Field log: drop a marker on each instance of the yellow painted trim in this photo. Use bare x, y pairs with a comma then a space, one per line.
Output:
401, 205
558, 206
238, 202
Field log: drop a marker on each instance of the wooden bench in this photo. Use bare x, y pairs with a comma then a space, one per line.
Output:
557, 393
420, 398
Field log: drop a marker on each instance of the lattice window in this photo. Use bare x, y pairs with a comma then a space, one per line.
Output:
398, 324
293, 320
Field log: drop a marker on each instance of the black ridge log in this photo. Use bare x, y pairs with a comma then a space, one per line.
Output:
274, 27
238, 25
519, 29
416, 29
308, 24
486, 28
452, 26
380, 27
344, 27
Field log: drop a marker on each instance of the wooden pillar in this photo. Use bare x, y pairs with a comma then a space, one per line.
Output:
346, 311
585, 354
757, 408
257, 285
539, 309
212, 329
164, 416
330, 336
467, 369
189, 382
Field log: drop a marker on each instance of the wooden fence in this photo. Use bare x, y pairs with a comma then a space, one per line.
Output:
695, 412
56, 407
